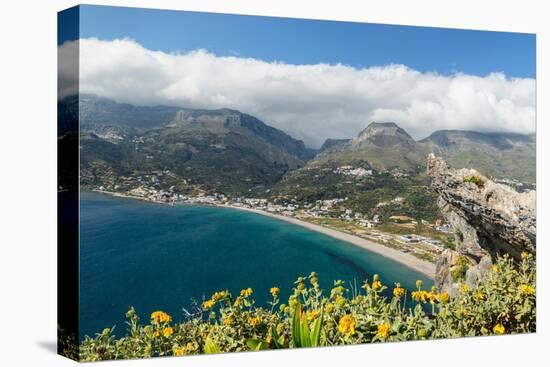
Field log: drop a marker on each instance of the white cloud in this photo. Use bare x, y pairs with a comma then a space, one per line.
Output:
310, 102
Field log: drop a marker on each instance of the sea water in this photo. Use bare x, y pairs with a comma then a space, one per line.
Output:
160, 257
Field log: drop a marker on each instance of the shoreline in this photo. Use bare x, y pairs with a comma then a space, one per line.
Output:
425, 267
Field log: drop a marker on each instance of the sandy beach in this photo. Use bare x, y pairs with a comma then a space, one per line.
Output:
408, 260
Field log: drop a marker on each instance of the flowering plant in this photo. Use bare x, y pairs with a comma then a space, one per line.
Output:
504, 303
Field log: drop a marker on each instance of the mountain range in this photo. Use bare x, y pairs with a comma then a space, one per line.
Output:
386, 146
236, 153
223, 150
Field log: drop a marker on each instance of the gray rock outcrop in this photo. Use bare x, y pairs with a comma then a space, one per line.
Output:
489, 219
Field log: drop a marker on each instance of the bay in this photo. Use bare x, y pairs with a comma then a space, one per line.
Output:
160, 257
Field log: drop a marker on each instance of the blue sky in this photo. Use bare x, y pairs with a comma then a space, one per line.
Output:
298, 41
331, 79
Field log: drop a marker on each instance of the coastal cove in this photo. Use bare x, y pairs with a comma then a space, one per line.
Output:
152, 256
425, 267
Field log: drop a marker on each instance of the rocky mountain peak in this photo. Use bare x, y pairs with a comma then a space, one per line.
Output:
333, 144
382, 134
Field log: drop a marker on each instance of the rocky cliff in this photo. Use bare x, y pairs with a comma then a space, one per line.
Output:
489, 219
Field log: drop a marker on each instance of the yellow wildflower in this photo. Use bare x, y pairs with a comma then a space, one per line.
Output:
274, 291
419, 296
464, 288
246, 292
156, 334
228, 320
480, 296
254, 320
179, 351
340, 301
168, 331
330, 307
398, 291
443, 297
376, 285
384, 330
431, 296
207, 305
526, 289
190, 346
312, 315
238, 302
346, 325
495, 268
219, 295
462, 311
499, 329
158, 317
524, 255
155, 317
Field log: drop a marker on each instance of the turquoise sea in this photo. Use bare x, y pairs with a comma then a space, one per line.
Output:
153, 256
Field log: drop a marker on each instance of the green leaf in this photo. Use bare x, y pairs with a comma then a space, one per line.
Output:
210, 347
304, 333
296, 332
256, 344
276, 338
253, 343
316, 333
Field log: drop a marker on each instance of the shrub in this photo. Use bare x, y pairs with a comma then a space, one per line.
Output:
503, 303
458, 272
476, 180
449, 243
